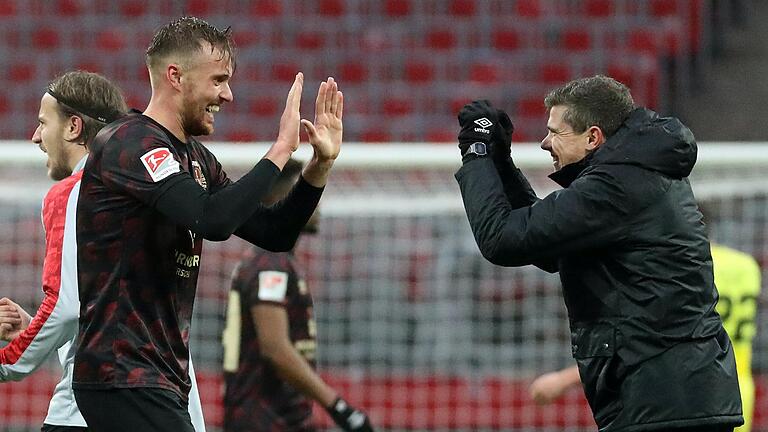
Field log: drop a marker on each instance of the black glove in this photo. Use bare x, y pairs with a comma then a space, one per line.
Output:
347, 417
477, 120
501, 149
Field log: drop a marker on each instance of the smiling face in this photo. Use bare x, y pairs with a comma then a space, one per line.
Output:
49, 136
564, 144
205, 87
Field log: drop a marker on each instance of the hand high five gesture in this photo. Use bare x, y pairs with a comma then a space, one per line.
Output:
325, 134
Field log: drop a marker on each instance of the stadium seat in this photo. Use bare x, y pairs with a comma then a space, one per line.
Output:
133, 9
45, 39
265, 106
643, 40
246, 38
442, 39
462, 8
240, 135
554, 73
21, 72
576, 40
308, 40
375, 135
396, 106
8, 8
531, 107
198, 7
4, 106
353, 72
663, 8
68, 7
110, 40
397, 8
442, 135
419, 73
266, 8
484, 73
506, 40
599, 8
284, 72
331, 8
528, 8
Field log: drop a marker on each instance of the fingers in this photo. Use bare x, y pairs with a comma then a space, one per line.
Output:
330, 91
310, 129
340, 105
320, 100
294, 94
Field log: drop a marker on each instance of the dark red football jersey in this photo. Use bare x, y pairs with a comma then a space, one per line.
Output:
256, 398
137, 269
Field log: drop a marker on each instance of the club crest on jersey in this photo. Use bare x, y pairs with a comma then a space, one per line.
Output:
197, 172
273, 285
160, 163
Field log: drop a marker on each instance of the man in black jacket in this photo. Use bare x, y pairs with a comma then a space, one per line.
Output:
626, 236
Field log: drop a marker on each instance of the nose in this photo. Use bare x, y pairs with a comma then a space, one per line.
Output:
36, 136
226, 93
545, 144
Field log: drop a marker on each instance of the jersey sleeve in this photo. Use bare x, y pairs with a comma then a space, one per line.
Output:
56, 320
139, 160
195, 406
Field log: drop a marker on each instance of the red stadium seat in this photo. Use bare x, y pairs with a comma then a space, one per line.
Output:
576, 40
133, 9
264, 106
7, 8
21, 72
531, 107
109, 40
246, 38
396, 106
643, 40
198, 7
45, 39
440, 39
599, 8
528, 8
555, 73
331, 8
621, 73
353, 72
68, 7
4, 105
376, 135
266, 8
506, 40
397, 8
419, 73
309, 40
284, 72
463, 8
663, 8
484, 73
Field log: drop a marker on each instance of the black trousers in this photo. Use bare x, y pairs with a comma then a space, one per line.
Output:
134, 410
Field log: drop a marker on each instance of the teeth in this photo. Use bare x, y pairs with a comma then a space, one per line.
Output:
212, 108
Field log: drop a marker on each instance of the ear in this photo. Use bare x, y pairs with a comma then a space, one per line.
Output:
73, 128
173, 75
595, 137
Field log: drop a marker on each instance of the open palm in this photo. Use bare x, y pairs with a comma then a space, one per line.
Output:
326, 132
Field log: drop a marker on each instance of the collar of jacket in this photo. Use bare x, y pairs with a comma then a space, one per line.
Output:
567, 174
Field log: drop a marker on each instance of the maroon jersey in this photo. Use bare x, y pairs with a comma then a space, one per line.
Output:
256, 398
137, 268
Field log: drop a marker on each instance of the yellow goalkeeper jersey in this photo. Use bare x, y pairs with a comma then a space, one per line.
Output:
737, 277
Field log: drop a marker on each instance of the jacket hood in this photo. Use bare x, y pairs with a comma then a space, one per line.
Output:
661, 144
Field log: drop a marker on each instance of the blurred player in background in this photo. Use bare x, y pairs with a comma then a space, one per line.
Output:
150, 194
73, 109
269, 343
737, 277
626, 237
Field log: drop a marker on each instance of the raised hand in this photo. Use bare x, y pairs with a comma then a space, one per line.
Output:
13, 319
289, 121
326, 132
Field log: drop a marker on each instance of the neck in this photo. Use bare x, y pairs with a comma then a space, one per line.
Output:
164, 111
75, 155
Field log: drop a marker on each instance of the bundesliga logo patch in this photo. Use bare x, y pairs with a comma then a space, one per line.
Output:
273, 285
160, 163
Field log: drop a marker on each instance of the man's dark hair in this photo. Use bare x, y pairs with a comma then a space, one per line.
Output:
184, 37
90, 96
595, 101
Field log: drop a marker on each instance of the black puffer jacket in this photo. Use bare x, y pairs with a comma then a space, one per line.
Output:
626, 236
